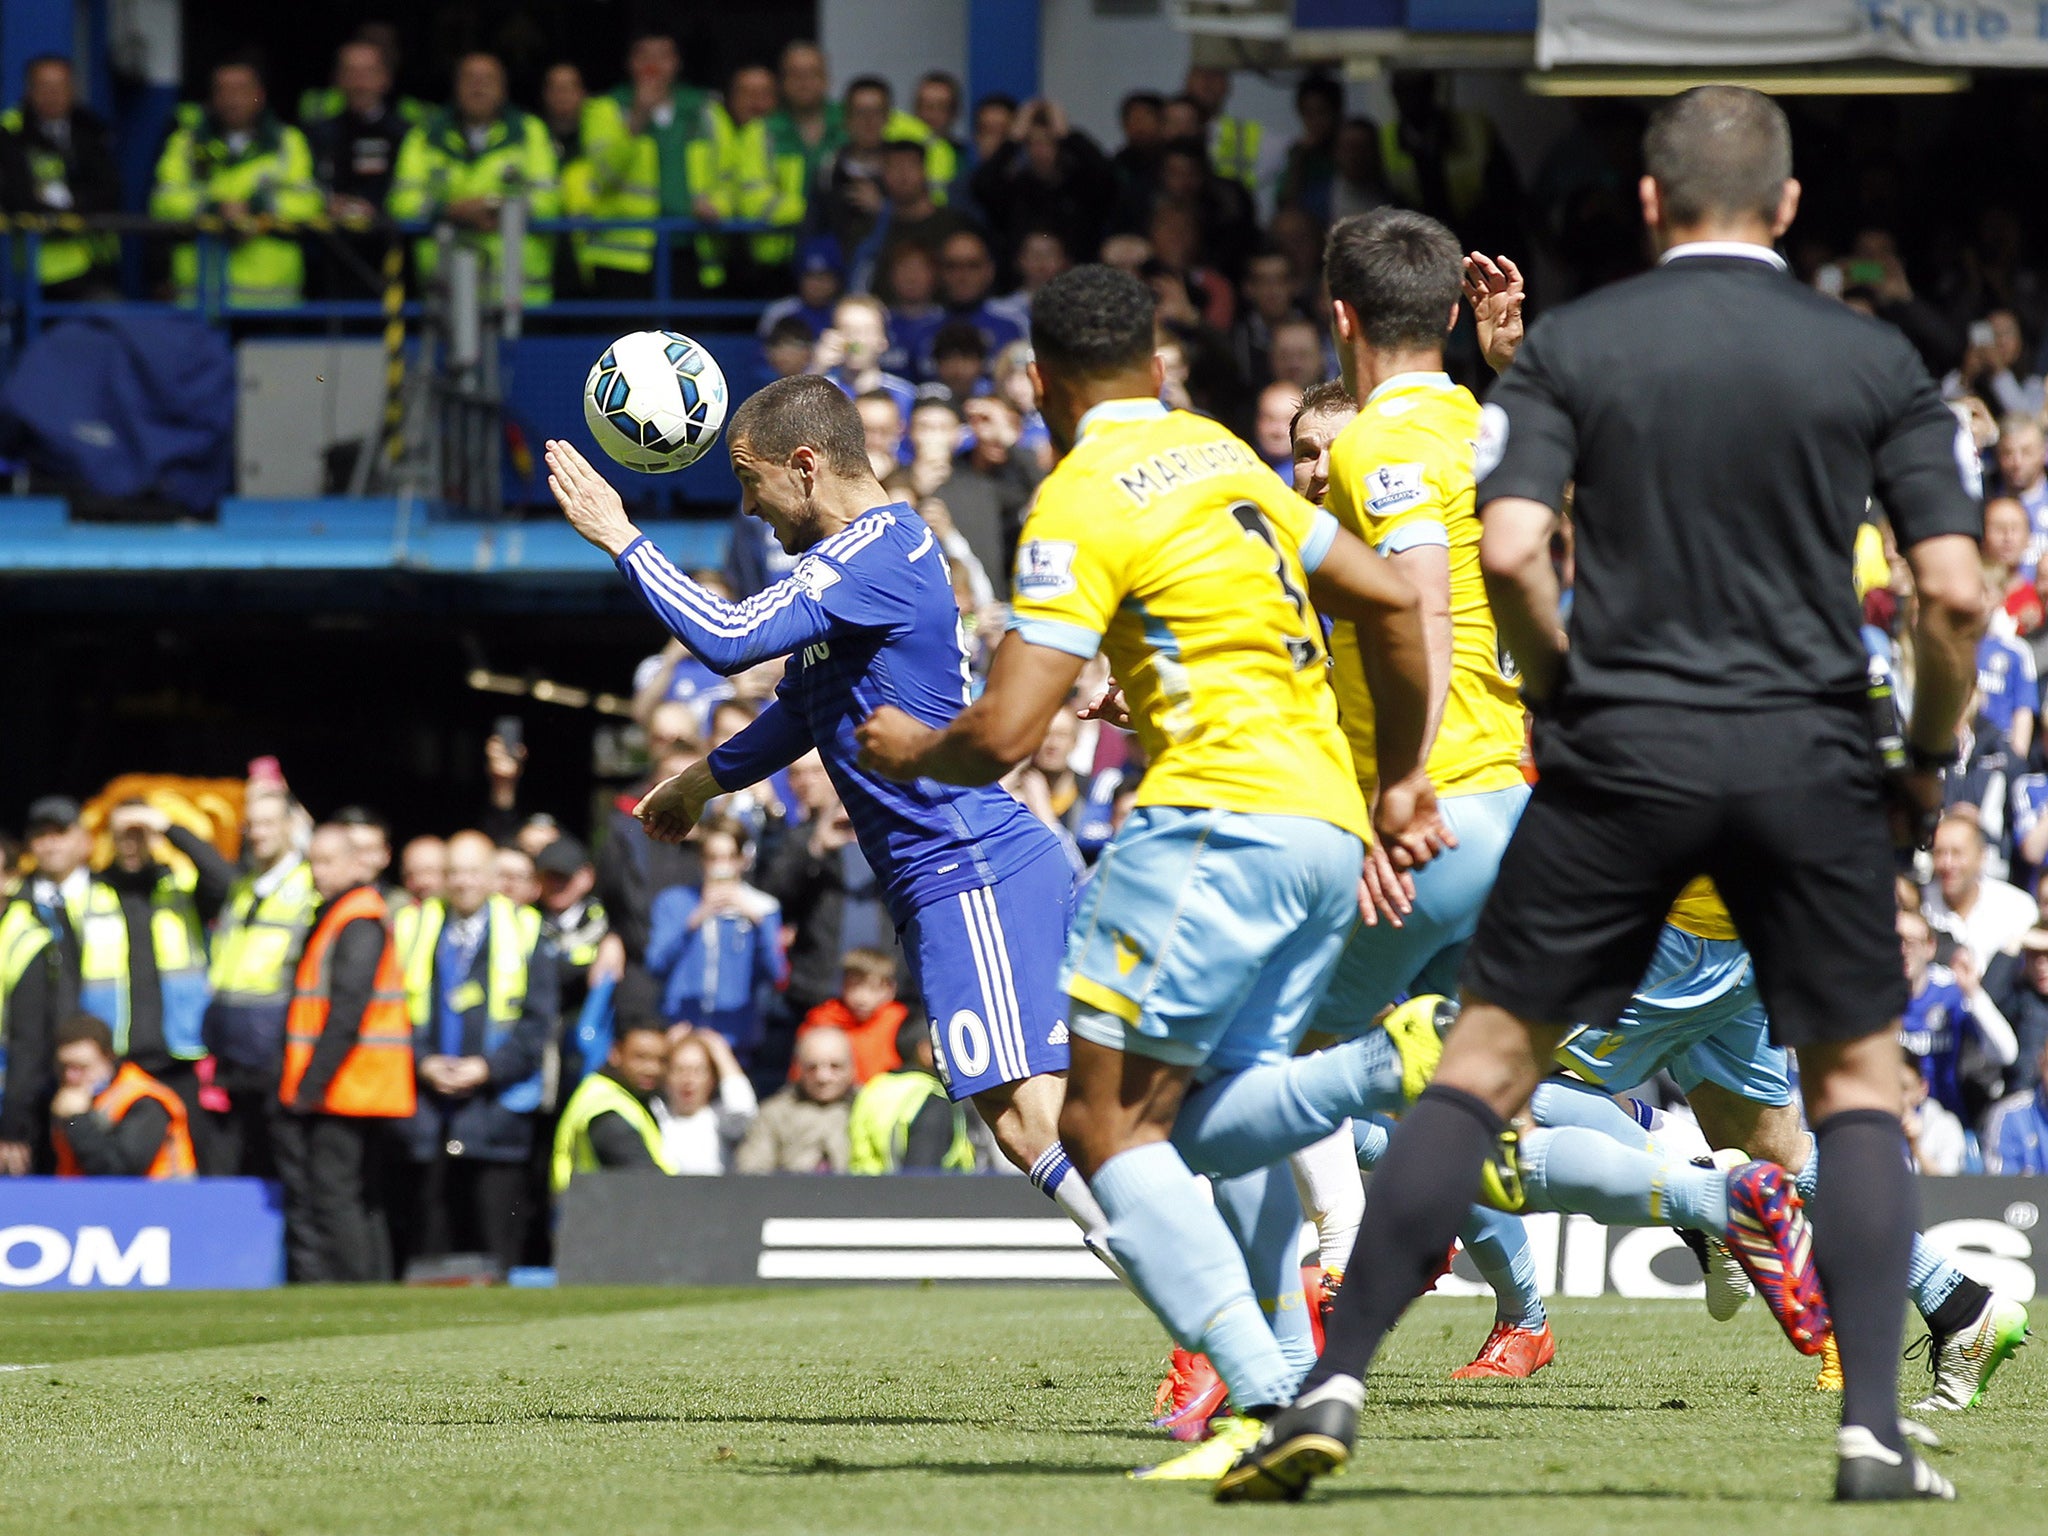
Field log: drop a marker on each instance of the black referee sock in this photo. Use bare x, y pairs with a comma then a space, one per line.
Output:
1421, 1194
1864, 1214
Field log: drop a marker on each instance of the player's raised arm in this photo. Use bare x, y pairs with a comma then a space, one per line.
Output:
1027, 685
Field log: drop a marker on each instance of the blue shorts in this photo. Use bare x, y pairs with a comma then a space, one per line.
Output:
988, 962
1206, 937
1697, 1015
1381, 963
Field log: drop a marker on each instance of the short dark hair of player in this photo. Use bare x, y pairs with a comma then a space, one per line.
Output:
805, 411
1093, 321
1718, 151
1401, 272
1330, 395
84, 1026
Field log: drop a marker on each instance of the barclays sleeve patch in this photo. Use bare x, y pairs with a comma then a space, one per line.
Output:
814, 575
1394, 488
1045, 569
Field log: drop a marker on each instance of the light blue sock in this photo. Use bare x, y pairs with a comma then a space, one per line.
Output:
1930, 1278
1500, 1249
1807, 1179
1560, 1102
1180, 1257
1256, 1117
1263, 1212
1371, 1138
1582, 1171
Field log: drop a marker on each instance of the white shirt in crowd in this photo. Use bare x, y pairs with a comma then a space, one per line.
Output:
2002, 913
703, 1142
1937, 1136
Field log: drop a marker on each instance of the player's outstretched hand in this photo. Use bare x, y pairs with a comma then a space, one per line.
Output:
1109, 706
588, 500
1410, 825
670, 809
890, 743
1495, 290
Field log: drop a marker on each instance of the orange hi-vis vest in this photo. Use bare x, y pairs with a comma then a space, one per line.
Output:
375, 1079
174, 1159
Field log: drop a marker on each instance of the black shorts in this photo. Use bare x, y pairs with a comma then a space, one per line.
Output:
1783, 808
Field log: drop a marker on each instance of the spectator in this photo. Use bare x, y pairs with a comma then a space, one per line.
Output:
465, 162
1448, 162
994, 115
1992, 367
1141, 115
957, 362
1300, 239
40, 921
1056, 788
850, 354
991, 486
881, 419
1357, 185
423, 868
1226, 222
2016, 1134
2009, 544
514, 877
802, 1126
1127, 252
828, 895
1983, 915
902, 1121
820, 281
808, 123
348, 1075
2008, 690
369, 834
1272, 430
673, 676
738, 172
787, 350
1311, 167
1934, 1137
967, 275
1268, 300
2018, 985
608, 1124
706, 1104
2023, 469
1882, 280
908, 216
263, 926
1235, 143
866, 1011
355, 147
577, 929
109, 1118
1011, 378
910, 286
1041, 257
317, 105
848, 197
936, 105
631, 866
236, 162
483, 1004
55, 158
651, 105
935, 434
1175, 232
715, 947
1048, 176
971, 586
1951, 1029
1296, 354
142, 954
1183, 118
624, 184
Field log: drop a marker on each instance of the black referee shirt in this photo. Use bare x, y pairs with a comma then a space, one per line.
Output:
1723, 426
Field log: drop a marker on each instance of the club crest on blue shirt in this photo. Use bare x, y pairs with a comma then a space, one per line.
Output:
1045, 568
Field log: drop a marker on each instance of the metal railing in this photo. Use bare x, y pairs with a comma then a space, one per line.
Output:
27, 309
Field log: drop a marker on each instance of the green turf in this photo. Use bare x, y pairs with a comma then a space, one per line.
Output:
899, 1411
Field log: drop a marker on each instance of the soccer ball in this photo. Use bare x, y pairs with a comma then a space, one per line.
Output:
655, 401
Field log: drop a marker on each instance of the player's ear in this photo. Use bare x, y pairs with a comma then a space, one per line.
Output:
1037, 382
1652, 197
1788, 207
1344, 320
1158, 372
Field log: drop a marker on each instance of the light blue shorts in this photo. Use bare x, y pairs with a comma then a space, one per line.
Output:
1697, 1015
1206, 937
1381, 963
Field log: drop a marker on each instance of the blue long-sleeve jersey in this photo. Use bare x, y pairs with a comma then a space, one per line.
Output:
867, 618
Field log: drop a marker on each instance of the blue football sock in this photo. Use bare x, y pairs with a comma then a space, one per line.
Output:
1180, 1258
1371, 1138
1807, 1179
1252, 1118
1930, 1278
1263, 1212
1581, 1171
1558, 1101
1500, 1250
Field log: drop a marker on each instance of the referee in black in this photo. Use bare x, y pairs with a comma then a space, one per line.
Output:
1707, 713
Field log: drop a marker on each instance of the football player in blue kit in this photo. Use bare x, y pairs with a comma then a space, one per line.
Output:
980, 890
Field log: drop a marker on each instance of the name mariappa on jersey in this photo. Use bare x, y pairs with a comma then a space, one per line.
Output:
1184, 466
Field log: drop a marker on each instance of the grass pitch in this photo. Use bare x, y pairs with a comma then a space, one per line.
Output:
604, 1412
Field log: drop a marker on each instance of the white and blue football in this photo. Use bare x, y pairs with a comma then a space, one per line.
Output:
655, 401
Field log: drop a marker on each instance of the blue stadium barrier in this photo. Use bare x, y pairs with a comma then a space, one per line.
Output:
120, 1234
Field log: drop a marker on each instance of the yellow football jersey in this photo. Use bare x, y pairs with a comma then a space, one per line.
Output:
1167, 544
1401, 478
1700, 912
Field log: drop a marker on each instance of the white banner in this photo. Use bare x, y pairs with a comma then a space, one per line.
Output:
1957, 34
